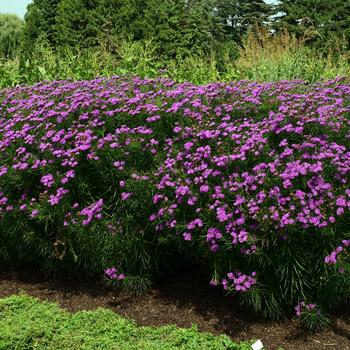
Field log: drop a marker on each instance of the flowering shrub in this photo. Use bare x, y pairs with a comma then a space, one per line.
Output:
311, 317
332, 258
248, 180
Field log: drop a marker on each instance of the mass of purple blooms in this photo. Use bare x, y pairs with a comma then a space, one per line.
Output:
235, 173
332, 257
113, 274
302, 306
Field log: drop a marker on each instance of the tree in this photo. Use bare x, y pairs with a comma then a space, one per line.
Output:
40, 21
75, 25
238, 16
10, 34
109, 17
200, 28
88, 23
316, 21
175, 26
161, 22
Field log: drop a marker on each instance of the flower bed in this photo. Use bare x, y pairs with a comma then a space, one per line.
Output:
247, 180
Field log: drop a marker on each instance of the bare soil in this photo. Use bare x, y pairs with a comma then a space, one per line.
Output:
183, 304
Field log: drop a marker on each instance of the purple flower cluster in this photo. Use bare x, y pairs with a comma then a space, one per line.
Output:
341, 249
303, 307
92, 211
47, 180
238, 282
112, 273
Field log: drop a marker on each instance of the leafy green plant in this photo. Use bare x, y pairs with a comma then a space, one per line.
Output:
10, 75
312, 319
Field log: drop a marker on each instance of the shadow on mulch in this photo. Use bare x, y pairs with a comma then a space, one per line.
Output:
183, 304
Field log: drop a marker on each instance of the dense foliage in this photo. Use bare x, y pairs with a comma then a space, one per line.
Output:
27, 323
239, 15
40, 21
175, 26
247, 180
320, 22
198, 41
182, 27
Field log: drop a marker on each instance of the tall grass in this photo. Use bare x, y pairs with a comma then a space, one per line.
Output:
268, 57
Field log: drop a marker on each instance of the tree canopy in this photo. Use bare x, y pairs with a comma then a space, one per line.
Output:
176, 26
181, 26
40, 20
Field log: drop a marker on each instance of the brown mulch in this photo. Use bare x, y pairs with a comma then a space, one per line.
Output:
182, 304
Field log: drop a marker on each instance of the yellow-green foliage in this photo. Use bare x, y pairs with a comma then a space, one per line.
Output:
26, 323
268, 57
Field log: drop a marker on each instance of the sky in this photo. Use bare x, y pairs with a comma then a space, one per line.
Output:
14, 6
19, 6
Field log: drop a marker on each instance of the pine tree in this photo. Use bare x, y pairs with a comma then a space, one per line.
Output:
74, 26
200, 28
161, 22
238, 16
88, 23
175, 26
109, 19
40, 21
316, 21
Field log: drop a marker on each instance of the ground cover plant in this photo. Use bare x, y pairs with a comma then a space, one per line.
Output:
142, 178
27, 323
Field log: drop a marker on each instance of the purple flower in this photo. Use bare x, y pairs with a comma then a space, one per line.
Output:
119, 165
92, 212
195, 223
187, 236
48, 180
214, 283
204, 189
126, 195
34, 213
